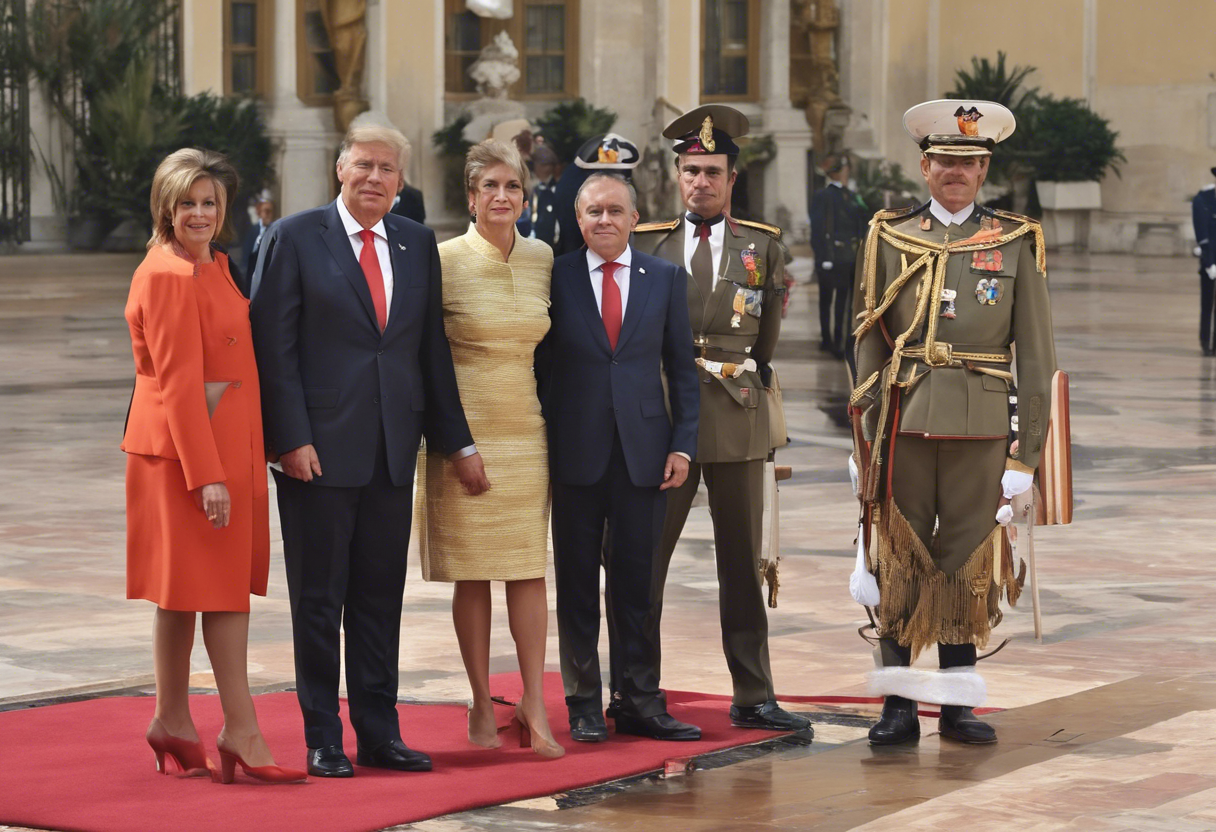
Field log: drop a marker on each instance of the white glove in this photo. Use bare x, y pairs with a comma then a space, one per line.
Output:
1014, 483
854, 477
826, 265
1211, 270
1198, 252
1004, 514
862, 585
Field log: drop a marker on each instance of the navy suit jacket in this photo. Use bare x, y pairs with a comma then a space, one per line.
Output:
588, 390
329, 377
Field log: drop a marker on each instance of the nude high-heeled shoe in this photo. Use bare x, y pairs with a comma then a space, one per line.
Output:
546, 747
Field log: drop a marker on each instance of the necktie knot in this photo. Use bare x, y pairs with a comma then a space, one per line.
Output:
703, 230
367, 236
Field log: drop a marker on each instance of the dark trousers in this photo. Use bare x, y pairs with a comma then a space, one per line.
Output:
948, 655
835, 295
736, 505
345, 552
1206, 330
634, 516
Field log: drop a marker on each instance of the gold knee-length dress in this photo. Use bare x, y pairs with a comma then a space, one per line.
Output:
495, 314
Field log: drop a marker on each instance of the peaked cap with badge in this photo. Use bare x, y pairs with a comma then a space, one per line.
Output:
959, 128
608, 152
937, 309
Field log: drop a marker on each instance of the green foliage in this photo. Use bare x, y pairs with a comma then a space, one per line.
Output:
882, 184
95, 62
1075, 144
759, 151
989, 81
450, 140
569, 124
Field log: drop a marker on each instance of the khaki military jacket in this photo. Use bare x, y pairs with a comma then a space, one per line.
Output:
938, 309
734, 419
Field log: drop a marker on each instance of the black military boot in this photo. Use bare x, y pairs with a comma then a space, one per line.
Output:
959, 722
897, 724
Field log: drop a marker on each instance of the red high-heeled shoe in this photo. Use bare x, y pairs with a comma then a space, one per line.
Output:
191, 757
267, 774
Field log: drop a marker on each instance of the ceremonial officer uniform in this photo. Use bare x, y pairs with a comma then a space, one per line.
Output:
940, 299
1203, 212
734, 299
838, 223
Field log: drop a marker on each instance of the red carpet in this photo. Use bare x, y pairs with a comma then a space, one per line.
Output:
85, 766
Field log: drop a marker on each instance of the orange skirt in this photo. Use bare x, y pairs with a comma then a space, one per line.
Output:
175, 558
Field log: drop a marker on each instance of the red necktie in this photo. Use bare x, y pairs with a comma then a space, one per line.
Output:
610, 306
370, 264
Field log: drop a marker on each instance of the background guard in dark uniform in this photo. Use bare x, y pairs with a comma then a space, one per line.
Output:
1203, 213
838, 224
734, 298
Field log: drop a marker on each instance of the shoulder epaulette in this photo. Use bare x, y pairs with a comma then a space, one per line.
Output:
670, 225
1010, 215
887, 214
772, 230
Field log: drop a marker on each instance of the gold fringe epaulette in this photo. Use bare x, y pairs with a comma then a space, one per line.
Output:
922, 606
772, 230
1036, 228
670, 225
887, 214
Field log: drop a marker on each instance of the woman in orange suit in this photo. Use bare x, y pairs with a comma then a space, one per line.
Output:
197, 525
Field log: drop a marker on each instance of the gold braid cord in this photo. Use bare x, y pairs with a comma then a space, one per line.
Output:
932, 258
922, 606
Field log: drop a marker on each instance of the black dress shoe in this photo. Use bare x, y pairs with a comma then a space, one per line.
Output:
961, 724
769, 716
897, 724
329, 761
589, 728
658, 727
614, 706
393, 754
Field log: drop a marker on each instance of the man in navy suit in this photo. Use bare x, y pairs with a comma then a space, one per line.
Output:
619, 321
355, 367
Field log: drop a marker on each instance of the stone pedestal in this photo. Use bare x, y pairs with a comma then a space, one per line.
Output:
1067, 207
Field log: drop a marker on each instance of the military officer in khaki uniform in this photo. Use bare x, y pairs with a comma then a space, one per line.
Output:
734, 300
947, 294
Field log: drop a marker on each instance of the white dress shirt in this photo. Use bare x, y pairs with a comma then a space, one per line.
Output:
717, 240
945, 217
594, 263
353, 229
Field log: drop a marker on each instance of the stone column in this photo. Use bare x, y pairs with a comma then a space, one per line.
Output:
785, 178
305, 139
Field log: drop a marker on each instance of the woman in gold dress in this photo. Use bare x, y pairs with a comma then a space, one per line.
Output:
495, 311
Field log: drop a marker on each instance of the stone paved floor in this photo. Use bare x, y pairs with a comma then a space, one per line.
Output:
1127, 590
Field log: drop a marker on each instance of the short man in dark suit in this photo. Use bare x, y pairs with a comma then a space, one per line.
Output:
253, 241
838, 224
619, 319
355, 366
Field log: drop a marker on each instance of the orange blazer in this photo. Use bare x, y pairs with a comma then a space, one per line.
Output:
186, 333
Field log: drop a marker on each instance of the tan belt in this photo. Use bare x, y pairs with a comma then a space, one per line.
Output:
946, 355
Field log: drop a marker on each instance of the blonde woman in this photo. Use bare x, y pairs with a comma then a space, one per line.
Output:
495, 311
197, 532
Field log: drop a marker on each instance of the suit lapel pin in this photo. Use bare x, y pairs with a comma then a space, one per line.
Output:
641, 271
400, 246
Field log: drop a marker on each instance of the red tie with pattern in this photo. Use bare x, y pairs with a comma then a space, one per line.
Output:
370, 264
610, 306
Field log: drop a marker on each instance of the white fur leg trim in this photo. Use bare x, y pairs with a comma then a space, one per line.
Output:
952, 686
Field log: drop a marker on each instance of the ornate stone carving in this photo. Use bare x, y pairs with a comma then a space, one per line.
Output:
346, 25
496, 68
819, 88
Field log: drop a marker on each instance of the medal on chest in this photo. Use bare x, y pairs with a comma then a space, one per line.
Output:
989, 291
753, 264
947, 299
